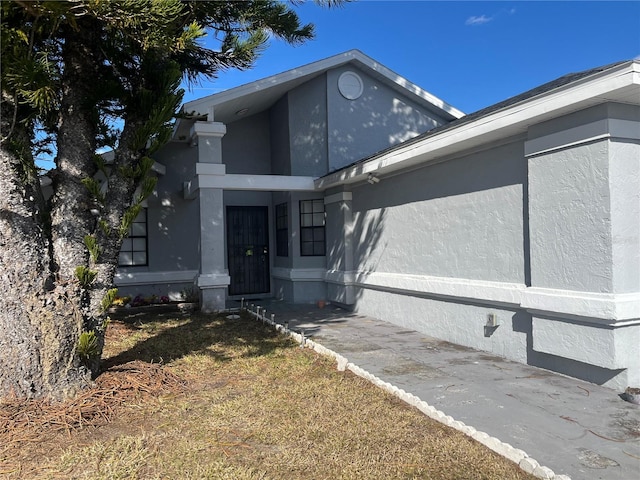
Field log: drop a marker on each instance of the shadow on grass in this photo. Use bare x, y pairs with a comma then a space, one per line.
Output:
199, 334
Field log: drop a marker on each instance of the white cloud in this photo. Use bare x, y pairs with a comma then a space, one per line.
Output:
482, 19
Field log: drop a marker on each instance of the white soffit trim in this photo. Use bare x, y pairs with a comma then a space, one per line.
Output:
211, 168
204, 104
605, 128
622, 82
109, 156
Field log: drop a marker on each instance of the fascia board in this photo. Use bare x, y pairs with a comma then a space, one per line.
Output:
274, 80
408, 86
508, 120
315, 68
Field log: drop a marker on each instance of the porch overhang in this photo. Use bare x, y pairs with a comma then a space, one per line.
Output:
214, 176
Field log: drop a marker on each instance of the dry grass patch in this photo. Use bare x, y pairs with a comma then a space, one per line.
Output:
200, 396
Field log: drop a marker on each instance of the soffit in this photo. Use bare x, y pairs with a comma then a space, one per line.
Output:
617, 83
262, 94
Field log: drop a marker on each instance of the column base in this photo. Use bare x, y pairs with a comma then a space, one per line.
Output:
213, 291
213, 299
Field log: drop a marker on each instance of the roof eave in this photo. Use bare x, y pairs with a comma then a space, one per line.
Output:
203, 105
512, 120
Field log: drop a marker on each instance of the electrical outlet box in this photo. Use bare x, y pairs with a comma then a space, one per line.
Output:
492, 320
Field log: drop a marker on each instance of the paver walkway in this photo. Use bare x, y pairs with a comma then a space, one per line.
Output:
575, 428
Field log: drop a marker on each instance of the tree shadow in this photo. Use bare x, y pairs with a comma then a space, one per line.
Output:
217, 337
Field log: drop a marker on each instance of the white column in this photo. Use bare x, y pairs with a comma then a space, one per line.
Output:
213, 278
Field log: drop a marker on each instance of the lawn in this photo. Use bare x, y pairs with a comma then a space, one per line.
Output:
193, 396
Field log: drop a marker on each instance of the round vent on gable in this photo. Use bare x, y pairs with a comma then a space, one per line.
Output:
350, 85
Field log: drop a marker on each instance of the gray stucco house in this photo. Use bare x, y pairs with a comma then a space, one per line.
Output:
514, 230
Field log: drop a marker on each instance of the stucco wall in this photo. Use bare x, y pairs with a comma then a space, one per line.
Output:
379, 118
173, 231
570, 219
329, 131
172, 221
280, 140
625, 212
543, 231
308, 128
457, 322
461, 219
246, 147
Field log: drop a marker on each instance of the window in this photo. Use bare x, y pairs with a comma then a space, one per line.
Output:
312, 227
134, 248
282, 230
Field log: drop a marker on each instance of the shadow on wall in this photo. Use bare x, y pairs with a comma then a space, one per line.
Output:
492, 170
373, 123
367, 231
368, 228
523, 322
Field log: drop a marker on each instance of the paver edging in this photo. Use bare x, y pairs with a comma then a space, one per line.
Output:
505, 450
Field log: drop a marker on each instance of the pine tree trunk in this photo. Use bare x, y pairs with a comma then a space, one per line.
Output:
71, 206
43, 308
38, 325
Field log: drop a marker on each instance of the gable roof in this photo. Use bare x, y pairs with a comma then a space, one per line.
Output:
616, 82
262, 94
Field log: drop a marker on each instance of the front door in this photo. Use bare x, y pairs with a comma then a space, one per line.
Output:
248, 250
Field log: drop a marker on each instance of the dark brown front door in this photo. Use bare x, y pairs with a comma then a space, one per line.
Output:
248, 250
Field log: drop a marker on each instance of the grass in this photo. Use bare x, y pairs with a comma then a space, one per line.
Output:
235, 400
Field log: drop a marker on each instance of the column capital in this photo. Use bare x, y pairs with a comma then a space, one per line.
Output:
206, 129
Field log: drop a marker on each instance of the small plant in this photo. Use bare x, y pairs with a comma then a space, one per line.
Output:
190, 295
108, 299
121, 301
88, 346
92, 245
85, 275
138, 301
151, 300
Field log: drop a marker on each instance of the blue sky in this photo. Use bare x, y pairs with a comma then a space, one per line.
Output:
470, 54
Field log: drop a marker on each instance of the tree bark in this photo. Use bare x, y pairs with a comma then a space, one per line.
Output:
73, 208
44, 309
34, 318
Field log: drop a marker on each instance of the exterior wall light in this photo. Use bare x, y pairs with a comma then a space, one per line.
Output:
372, 179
